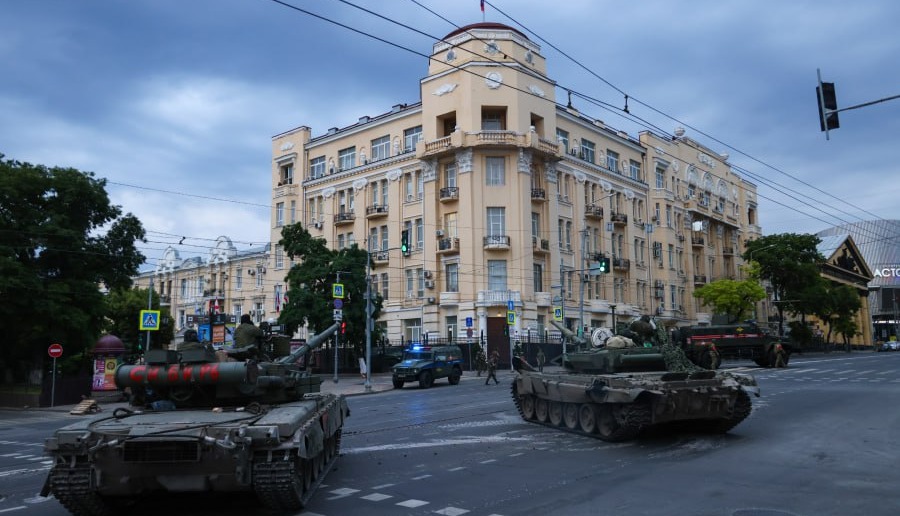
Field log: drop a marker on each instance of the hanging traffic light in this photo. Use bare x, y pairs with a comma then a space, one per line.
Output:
404, 242
603, 265
828, 116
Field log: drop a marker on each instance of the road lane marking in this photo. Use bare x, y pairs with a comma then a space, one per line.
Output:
421, 477
376, 497
451, 511
412, 503
459, 468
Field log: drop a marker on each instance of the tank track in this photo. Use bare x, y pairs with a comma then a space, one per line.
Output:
72, 487
635, 418
740, 412
275, 481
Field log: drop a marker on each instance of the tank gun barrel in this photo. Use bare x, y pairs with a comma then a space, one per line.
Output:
569, 334
313, 343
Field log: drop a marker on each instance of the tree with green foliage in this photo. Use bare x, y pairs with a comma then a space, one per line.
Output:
734, 298
310, 283
790, 263
836, 305
123, 309
60, 240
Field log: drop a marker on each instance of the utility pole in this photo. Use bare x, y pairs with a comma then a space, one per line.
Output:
369, 320
337, 336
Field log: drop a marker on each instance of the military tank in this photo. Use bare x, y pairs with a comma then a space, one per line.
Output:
615, 390
203, 426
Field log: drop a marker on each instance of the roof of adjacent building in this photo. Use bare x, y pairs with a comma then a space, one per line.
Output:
877, 240
484, 26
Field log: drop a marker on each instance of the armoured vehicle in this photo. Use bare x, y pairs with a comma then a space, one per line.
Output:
425, 364
707, 346
205, 426
615, 391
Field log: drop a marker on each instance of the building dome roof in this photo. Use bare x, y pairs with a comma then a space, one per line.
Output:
483, 26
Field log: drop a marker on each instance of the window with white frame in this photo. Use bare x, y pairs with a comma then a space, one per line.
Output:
536, 226
317, 167
634, 169
384, 238
340, 241
495, 175
259, 281
420, 234
410, 137
450, 175
496, 221
563, 138
451, 277
279, 257
612, 160
347, 158
538, 277
239, 279
381, 148
184, 287
293, 212
588, 150
385, 285
497, 275
279, 215
287, 174
660, 178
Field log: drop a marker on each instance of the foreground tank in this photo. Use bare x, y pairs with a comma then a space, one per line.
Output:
614, 393
208, 426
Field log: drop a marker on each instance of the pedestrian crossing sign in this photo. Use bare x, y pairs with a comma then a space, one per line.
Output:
149, 320
510, 317
337, 290
557, 313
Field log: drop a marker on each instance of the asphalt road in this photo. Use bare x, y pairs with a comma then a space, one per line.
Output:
821, 440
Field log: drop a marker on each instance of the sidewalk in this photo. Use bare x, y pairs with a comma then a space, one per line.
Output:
347, 385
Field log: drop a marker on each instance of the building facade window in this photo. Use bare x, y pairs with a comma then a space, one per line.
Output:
293, 212
450, 175
420, 234
588, 150
317, 167
184, 288
538, 277
381, 148
279, 257
563, 138
410, 137
497, 275
634, 170
287, 174
660, 178
495, 173
385, 285
279, 215
451, 277
347, 158
612, 160
239, 279
496, 221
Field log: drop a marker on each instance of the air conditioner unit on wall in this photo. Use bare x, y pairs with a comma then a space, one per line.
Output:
439, 233
429, 284
427, 274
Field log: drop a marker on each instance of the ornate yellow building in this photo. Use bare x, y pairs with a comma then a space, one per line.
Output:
509, 198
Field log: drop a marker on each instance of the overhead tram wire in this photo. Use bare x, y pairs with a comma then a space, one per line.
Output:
699, 131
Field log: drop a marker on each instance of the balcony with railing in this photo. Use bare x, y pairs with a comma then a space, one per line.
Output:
621, 264
538, 194
540, 245
498, 297
699, 279
459, 139
380, 257
284, 189
697, 241
496, 242
448, 245
345, 217
376, 211
728, 250
618, 218
593, 212
449, 193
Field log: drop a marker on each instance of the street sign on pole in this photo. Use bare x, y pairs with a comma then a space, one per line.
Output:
337, 290
55, 350
510, 305
338, 315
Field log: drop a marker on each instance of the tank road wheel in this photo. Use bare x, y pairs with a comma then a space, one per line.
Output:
541, 410
556, 413
425, 380
570, 415
610, 429
398, 384
528, 406
587, 418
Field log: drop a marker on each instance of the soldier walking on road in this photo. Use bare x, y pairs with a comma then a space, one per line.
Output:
541, 358
492, 368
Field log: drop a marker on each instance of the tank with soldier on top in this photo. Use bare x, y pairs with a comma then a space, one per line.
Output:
614, 386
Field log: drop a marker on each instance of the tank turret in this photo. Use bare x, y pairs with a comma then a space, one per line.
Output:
195, 377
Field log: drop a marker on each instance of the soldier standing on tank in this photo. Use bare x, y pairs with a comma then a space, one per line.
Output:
541, 358
247, 336
492, 368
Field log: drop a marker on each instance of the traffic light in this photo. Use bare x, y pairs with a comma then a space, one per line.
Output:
404, 242
827, 99
343, 327
603, 265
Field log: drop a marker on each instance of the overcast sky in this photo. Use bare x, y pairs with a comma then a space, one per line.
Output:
184, 96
